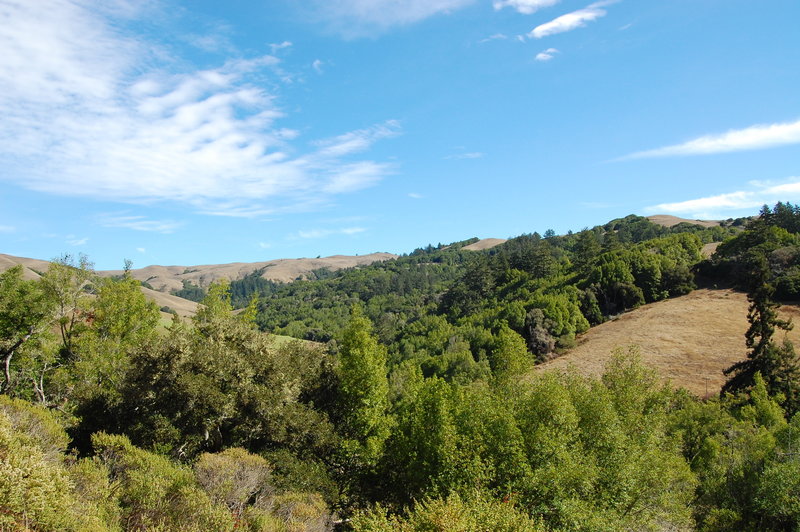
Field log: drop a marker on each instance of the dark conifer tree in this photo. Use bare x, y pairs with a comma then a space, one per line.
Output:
777, 364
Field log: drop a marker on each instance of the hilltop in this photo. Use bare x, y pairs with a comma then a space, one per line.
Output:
670, 221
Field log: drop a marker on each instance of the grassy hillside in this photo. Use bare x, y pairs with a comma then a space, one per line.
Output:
689, 340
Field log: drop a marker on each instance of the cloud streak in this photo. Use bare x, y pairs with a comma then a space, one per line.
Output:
321, 233
467, 155
138, 223
526, 7
90, 109
752, 138
495, 37
357, 18
571, 21
715, 206
72, 240
546, 55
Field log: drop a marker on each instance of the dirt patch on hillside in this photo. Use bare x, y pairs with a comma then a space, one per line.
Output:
689, 340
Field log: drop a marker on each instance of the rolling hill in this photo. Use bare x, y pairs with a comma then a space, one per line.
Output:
168, 278
164, 279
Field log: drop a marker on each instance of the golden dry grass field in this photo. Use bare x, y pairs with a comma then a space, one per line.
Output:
688, 340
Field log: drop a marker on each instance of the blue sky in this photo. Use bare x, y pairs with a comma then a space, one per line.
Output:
205, 132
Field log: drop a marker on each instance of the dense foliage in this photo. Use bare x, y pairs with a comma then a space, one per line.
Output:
418, 414
457, 312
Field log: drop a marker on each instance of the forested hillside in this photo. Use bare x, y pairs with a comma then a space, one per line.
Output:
407, 412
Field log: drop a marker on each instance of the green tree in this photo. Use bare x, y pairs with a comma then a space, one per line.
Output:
121, 319
509, 356
586, 250
25, 316
65, 282
363, 388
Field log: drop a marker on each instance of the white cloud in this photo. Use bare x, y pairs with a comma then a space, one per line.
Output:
141, 250
356, 141
89, 110
415, 195
7, 229
356, 18
718, 205
274, 47
526, 7
317, 65
137, 223
571, 21
264, 245
72, 240
751, 138
466, 155
321, 233
546, 55
495, 37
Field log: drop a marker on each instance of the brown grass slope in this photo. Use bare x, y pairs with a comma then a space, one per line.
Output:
30, 267
688, 340
486, 243
183, 307
668, 221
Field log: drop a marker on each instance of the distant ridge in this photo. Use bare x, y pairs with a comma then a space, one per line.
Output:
168, 278
165, 279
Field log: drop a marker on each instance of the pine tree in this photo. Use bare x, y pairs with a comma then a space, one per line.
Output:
777, 364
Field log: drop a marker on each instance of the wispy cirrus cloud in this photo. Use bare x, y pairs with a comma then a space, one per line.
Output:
466, 155
357, 18
495, 37
718, 206
546, 55
526, 7
275, 47
137, 223
93, 109
751, 138
321, 233
571, 21
7, 229
72, 240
